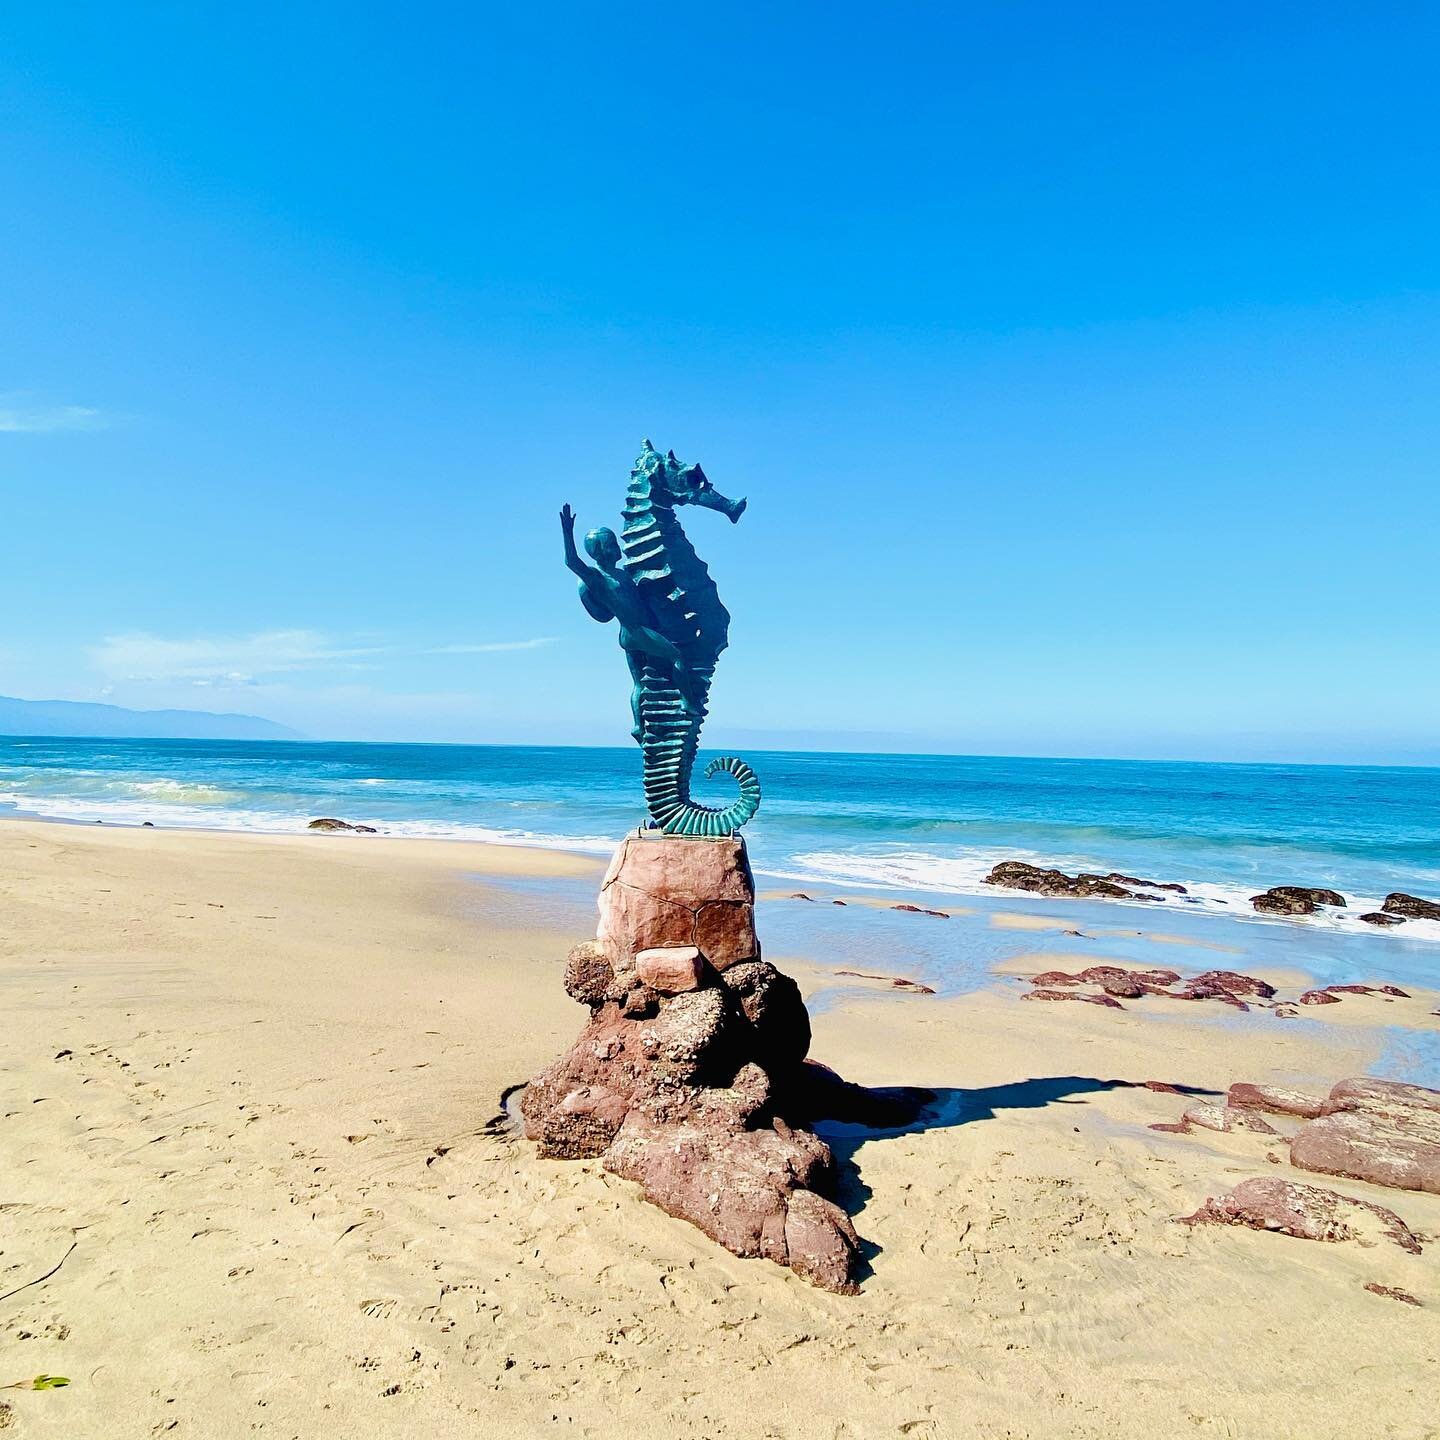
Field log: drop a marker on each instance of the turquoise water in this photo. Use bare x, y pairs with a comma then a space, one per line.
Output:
922, 825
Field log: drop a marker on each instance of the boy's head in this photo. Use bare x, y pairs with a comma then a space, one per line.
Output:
603, 548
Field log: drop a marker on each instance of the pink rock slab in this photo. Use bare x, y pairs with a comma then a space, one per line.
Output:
1305, 1211
669, 890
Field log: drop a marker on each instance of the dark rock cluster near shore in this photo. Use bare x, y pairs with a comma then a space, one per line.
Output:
1278, 900
1017, 875
1295, 900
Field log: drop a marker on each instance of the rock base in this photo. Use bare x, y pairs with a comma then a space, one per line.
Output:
668, 890
690, 1076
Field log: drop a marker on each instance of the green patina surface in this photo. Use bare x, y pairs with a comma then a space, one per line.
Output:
672, 629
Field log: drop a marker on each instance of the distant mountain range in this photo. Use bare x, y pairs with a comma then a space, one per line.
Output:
72, 717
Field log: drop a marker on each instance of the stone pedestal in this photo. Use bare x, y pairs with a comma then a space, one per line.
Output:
690, 1076
664, 890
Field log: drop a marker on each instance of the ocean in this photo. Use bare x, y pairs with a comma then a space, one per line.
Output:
915, 824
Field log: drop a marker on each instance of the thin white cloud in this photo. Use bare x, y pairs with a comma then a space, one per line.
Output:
242, 660
237, 660
20, 416
493, 647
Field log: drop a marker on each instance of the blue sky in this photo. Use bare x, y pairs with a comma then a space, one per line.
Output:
1080, 364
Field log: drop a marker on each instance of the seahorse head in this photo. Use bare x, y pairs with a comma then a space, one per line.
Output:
672, 483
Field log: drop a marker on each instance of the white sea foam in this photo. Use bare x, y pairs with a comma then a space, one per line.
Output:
965, 875
168, 814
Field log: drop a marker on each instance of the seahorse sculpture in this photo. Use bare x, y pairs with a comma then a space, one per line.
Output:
672, 629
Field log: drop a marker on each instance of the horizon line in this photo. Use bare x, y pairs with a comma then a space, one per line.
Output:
758, 750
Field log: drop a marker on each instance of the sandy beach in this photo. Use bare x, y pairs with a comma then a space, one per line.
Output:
250, 1107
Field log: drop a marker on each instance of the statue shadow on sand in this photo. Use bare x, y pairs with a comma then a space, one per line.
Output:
848, 1116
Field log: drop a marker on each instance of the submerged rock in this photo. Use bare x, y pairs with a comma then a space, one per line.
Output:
1226, 986
1331, 994
896, 982
1393, 990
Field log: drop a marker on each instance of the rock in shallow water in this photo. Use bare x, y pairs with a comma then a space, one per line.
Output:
1410, 907
1295, 900
1017, 875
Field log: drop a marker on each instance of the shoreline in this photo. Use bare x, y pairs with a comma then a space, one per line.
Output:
1197, 902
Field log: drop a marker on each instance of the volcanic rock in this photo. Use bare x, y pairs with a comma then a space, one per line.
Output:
588, 974
1379, 917
1319, 997
1294, 900
1410, 907
1305, 1211
688, 1081
779, 1023
750, 1189
1116, 878
1017, 875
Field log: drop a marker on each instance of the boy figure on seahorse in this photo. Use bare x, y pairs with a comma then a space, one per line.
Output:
672, 629
608, 593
